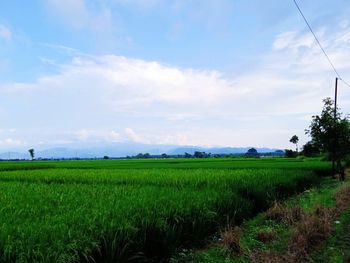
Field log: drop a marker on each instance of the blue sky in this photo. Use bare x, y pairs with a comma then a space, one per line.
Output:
187, 72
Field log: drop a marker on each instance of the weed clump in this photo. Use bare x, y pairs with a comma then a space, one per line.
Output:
342, 198
266, 236
294, 215
276, 212
231, 240
285, 214
308, 229
314, 228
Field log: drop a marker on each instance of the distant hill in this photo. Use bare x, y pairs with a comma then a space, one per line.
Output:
218, 150
124, 149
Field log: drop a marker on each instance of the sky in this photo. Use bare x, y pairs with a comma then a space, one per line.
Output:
182, 72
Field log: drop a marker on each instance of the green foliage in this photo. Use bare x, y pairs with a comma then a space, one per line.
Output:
331, 133
295, 140
198, 154
290, 153
252, 152
164, 156
310, 150
84, 211
31, 152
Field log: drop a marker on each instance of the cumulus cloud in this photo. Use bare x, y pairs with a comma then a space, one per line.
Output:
114, 98
122, 84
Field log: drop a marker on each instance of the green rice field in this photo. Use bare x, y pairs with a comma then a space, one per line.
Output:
135, 210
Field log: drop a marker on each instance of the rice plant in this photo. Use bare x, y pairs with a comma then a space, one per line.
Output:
122, 215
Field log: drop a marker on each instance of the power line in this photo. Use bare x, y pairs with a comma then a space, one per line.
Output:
319, 44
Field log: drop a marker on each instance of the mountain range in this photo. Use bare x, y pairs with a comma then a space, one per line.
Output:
122, 150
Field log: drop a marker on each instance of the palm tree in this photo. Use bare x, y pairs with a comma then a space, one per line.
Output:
31, 152
295, 140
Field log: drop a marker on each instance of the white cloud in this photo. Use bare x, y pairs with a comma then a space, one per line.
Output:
79, 15
101, 91
10, 142
5, 33
74, 12
293, 41
102, 97
123, 84
97, 135
133, 136
113, 136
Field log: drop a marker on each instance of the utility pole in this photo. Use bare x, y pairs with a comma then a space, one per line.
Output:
335, 98
335, 117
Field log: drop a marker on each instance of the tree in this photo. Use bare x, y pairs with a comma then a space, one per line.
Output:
310, 150
295, 140
31, 152
146, 156
164, 156
187, 155
143, 156
139, 156
252, 152
198, 154
289, 153
330, 133
106, 157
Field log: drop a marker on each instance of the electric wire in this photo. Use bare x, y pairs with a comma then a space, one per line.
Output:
319, 44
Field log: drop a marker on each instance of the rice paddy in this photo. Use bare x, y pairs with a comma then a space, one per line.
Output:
134, 210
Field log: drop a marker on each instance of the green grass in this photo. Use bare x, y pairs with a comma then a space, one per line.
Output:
337, 248
185, 163
331, 251
106, 211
